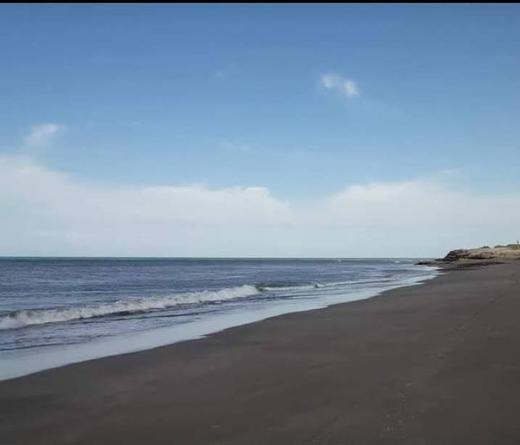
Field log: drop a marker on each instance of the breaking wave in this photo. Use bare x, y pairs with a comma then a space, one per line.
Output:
23, 318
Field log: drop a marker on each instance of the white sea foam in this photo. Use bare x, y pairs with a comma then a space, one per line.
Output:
22, 318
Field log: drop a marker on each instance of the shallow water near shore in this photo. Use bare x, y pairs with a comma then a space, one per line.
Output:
59, 311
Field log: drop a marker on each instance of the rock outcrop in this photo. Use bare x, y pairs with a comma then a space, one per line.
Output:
479, 256
508, 252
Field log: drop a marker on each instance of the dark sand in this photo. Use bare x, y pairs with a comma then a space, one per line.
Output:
432, 364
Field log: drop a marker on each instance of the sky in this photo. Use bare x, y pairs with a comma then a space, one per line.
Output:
258, 130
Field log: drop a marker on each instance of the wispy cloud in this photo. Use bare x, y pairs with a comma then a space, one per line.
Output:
236, 147
342, 85
41, 135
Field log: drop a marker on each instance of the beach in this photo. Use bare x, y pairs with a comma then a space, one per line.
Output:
436, 363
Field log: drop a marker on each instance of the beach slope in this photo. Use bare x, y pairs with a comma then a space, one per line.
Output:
431, 364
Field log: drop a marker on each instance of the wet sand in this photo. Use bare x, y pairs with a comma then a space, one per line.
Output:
437, 363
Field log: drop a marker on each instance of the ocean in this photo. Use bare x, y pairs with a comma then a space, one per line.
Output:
55, 311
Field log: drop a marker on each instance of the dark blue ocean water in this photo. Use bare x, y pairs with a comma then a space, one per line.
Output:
49, 306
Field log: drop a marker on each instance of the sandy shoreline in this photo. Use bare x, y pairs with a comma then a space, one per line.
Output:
429, 364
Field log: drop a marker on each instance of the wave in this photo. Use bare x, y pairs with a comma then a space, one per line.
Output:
127, 307
285, 286
23, 318
276, 287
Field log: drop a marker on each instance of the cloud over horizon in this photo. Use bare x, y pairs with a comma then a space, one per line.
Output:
46, 212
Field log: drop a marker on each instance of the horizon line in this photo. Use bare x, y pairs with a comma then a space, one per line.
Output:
200, 257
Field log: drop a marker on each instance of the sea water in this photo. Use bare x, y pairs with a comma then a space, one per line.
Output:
55, 311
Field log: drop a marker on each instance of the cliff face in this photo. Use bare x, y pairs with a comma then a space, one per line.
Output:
509, 252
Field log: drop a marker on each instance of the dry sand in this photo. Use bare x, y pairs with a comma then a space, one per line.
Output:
432, 364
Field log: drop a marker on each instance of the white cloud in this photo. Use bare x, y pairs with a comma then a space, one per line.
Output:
41, 135
342, 85
45, 212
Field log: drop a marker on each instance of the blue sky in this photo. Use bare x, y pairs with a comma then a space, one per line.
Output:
257, 96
